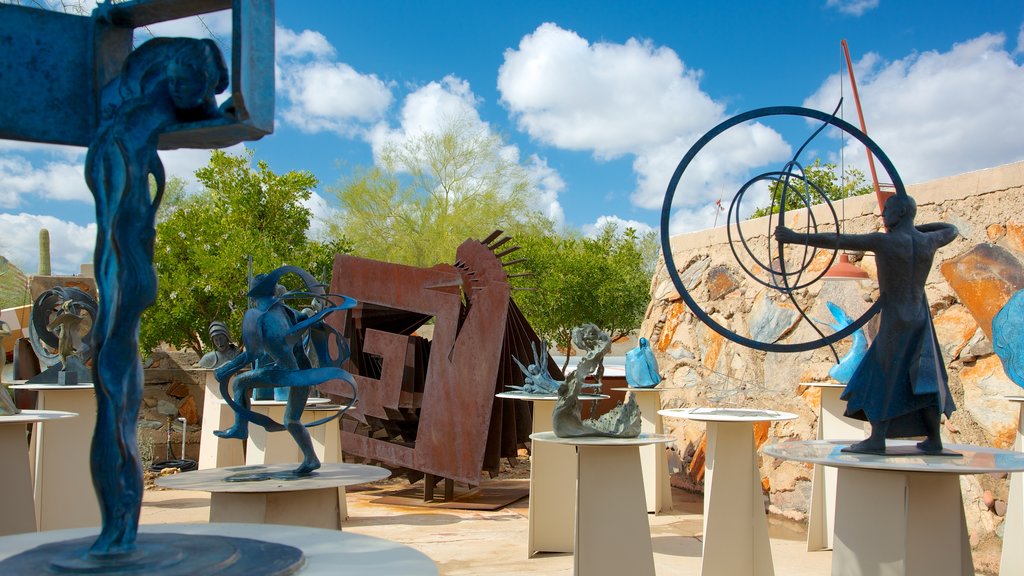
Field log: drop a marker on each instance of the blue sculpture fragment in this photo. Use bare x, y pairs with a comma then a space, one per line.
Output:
843, 370
1008, 337
642, 366
623, 421
274, 337
536, 378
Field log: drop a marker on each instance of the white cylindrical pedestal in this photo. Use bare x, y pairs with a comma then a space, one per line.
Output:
19, 513
273, 447
215, 452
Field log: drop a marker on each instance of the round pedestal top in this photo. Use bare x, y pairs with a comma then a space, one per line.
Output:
545, 397
47, 387
1014, 398
30, 416
310, 402
641, 440
727, 414
330, 475
831, 384
327, 552
637, 389
970, 460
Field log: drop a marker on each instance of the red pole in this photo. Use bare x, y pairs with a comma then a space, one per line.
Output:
863, 126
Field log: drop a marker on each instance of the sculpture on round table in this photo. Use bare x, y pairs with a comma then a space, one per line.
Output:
623, 421
536, 377
223, 348
1008, 337
60, 332
642, 366
900, 386
273, 335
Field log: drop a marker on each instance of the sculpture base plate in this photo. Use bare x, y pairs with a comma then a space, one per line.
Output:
263, 475
162, 555
902, 450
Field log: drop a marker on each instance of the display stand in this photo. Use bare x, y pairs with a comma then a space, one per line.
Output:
1012, 563
327, 444
900, 515
60, 453
19, 513
735, 524
832, 425
310, 501
265, 447
216, 452
327, 552
653, 457
611, 534
552, 480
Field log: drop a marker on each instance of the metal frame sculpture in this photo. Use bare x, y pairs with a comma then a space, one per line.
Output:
901, 386
275, 336
94, 89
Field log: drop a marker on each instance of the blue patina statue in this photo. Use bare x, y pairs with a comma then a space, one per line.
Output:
843, 370
901, 386
274, 337
642, 366
536, 377
1008, 337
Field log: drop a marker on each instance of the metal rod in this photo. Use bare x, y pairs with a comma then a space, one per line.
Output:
863, 126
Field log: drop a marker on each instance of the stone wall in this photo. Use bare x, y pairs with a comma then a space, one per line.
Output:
171, 391
971, 279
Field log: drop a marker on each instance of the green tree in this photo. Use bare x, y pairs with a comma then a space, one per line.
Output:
604, 280
203, 241
427, 195
825, 177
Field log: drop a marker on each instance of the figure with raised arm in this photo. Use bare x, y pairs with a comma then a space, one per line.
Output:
901, 386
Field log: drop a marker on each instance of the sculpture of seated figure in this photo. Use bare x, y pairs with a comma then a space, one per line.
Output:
223, 348
900, 386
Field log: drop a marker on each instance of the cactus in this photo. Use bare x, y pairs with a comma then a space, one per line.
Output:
44, 252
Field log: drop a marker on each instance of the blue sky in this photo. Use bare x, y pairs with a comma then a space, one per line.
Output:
598, 99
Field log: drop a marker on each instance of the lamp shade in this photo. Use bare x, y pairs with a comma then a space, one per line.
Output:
843, 269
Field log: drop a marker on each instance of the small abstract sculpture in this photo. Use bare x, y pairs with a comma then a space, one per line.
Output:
223, 348
536, 378
623, 421
642, 366
901, 386
843, 370
60, 331
1008, 337
273, 334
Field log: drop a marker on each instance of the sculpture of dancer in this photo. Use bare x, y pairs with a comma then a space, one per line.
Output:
164, 82
623, 421
223, 348
901, 386
273, 335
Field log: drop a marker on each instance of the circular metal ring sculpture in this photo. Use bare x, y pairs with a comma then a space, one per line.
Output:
43, 309
785, 175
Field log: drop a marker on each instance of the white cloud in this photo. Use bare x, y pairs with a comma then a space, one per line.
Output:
630, 99
184, 162
852, 7
621, 224
430, 108
319, 94
549, 185
322, 213
939, 113
47, 180
70, 244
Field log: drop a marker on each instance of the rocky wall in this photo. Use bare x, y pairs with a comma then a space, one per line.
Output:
171, 392
971, 278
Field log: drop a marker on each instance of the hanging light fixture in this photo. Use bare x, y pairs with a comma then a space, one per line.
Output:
843, 269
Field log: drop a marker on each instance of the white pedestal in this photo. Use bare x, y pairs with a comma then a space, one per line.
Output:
327, 552
311, 501
1012, 563
611, 533
653, 457
19, 513
735, 524
217, 452
273, 447
832, 425
900, 515
327, 445
64, 497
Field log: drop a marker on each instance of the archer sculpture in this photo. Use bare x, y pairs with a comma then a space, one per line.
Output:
274, 335
900, 387
623, 421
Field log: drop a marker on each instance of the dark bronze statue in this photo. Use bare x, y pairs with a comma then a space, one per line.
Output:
901, 386
223, 348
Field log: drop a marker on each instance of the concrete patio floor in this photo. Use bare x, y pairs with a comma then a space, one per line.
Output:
494, 543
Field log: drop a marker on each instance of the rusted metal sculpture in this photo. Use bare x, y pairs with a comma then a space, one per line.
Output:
428, 405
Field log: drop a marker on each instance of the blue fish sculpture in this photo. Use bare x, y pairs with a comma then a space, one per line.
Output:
843, 371
1008, 337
